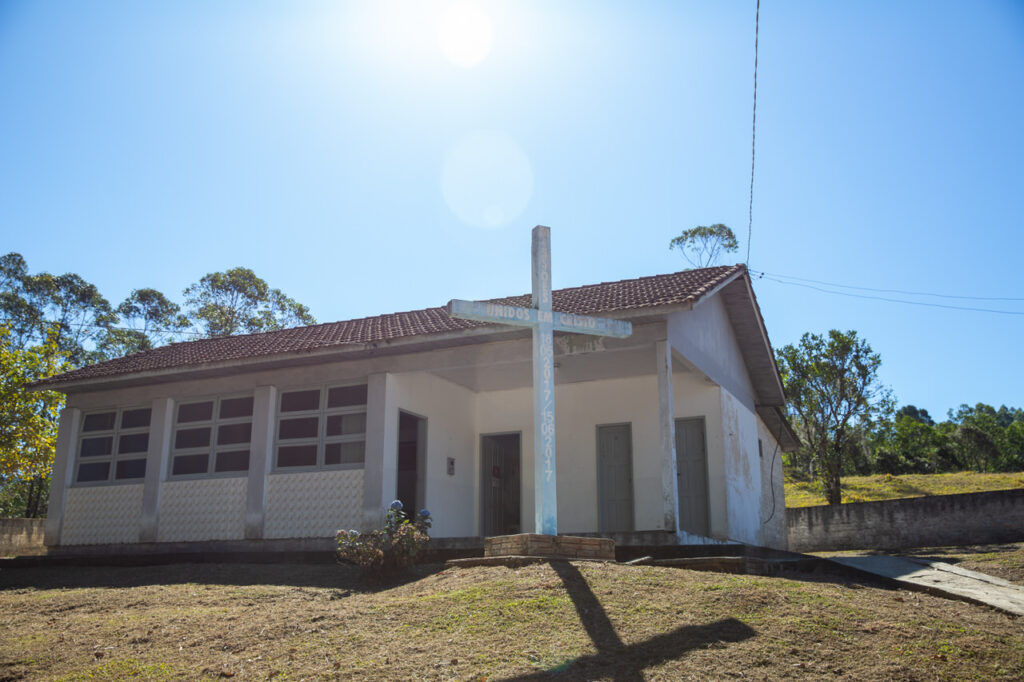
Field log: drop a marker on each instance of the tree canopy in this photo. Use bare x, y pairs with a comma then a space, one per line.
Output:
238, 302
834, 396
144, 320
702, 246
28, 420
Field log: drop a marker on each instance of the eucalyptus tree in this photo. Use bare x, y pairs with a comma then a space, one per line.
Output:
236, 301
144, 320
702, 246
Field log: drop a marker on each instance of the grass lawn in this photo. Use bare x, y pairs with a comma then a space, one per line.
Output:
889, 487
546, 621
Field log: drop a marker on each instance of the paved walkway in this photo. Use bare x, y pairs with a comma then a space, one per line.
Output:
940, 577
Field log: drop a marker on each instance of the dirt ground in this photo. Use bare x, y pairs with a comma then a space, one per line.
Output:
545, 621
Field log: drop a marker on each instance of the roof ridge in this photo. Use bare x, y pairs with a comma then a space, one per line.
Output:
639, 279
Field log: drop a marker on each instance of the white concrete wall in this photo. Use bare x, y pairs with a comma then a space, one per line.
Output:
98, 515
450, 411
742, 470
202, 509
704, 336
774, 532
696, 396
579, 409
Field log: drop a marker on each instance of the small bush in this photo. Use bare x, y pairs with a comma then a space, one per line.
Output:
389, 550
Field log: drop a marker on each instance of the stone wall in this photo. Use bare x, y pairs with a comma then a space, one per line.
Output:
935, 521
21, 536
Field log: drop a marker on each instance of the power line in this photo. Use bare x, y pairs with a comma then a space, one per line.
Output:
753, 134
895, 300
889, 291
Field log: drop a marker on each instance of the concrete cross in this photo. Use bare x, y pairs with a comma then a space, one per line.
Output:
544, 323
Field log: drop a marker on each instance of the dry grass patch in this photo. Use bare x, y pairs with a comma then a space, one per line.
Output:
545, 621
889, 487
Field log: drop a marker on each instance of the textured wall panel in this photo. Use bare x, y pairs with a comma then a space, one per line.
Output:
313, 505
102, 515
204, 509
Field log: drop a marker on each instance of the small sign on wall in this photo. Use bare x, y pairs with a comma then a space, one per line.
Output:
451, 466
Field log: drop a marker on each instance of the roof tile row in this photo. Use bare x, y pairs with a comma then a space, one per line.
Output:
607, 297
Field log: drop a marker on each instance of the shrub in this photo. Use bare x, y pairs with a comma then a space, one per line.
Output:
389, 550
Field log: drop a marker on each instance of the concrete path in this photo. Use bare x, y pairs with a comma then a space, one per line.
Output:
942, 578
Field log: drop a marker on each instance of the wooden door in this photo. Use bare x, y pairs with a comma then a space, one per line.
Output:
500, 484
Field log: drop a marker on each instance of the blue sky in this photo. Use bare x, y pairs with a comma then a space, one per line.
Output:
338, 150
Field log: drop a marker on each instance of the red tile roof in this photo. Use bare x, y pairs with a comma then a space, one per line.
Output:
607, 297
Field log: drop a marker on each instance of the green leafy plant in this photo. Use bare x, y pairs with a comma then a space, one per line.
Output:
389, 550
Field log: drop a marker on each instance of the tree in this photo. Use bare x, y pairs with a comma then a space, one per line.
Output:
834, 392
81, 314
1014, 457
28, 420
145, 319
702, 246
18, 313
980, 436
917, 414
237, 302
34, 306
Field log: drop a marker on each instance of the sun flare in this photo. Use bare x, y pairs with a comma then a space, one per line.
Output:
465, 34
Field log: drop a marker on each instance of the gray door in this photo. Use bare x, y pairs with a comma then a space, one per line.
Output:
615, 477
692, 475
500, 484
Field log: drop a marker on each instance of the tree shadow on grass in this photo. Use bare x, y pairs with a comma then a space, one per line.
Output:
340, 577
627, 662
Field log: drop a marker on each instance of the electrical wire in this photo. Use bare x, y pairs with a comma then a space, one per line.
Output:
753, 134
771, 479
894, 300
889, 291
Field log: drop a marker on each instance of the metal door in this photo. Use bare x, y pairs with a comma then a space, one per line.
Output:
615, 477
692, 475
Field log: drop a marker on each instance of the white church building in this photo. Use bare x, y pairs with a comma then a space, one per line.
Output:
294, 434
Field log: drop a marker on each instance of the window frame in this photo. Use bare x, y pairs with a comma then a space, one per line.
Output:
115, 455
210, 450
321, 440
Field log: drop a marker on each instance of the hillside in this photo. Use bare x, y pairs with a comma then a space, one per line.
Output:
889, 487
581, 621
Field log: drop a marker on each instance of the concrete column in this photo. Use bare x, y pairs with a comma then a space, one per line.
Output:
667, 436
161, 425
63, 472
380, 467
261, 459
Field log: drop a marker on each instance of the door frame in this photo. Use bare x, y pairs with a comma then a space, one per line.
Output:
707, 473
632, 477
482, 478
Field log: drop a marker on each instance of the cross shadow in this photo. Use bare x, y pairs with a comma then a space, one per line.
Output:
627, 662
